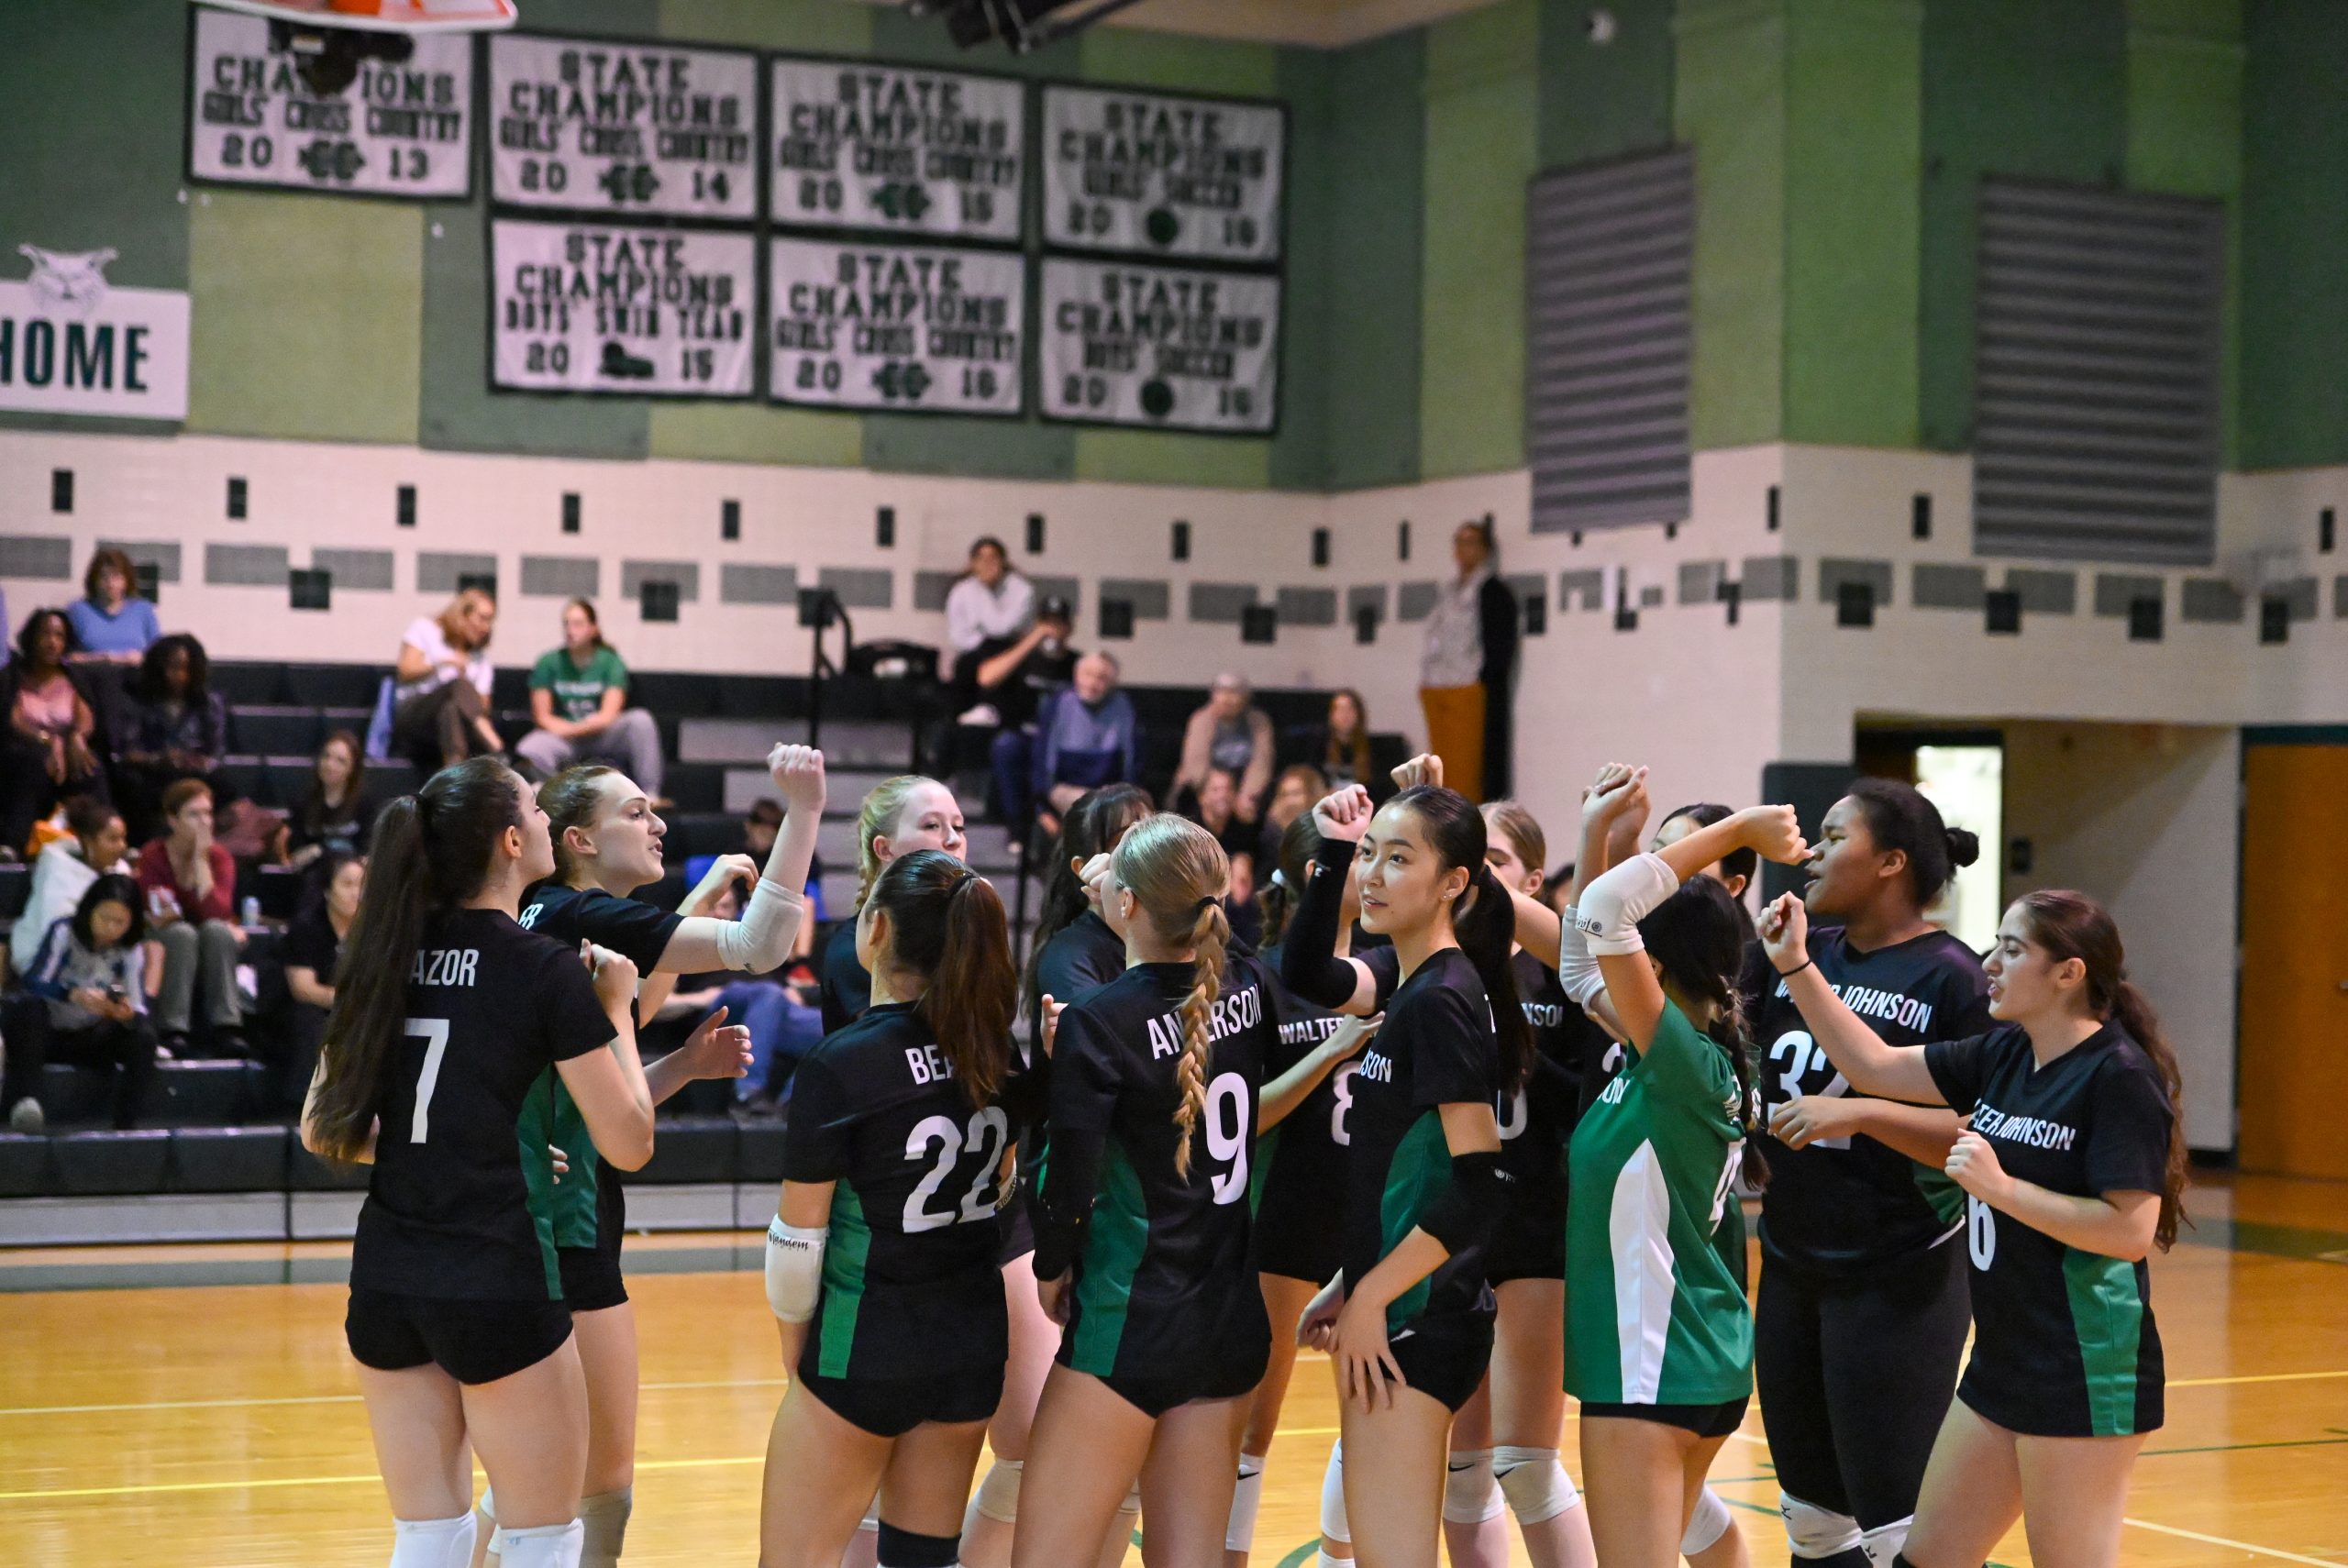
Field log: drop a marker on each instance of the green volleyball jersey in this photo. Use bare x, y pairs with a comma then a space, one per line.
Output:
1655, 1316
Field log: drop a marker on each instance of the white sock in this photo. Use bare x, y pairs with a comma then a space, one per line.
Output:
433, 1543
1246, 1496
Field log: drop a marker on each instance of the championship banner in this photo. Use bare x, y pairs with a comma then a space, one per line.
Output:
893, 148
623, 127
402, 128
639, 312
1188, 177
1159, 347
72, 343
914, 328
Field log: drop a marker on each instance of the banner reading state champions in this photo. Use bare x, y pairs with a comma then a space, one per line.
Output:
641, 311
1159, 347
598, 125
401, 128
1181, 177
896, 326
893, 148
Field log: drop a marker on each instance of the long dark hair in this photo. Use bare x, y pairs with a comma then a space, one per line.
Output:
432, 852
149, 685
2071, 925
1097, 821
1698, 936
1484, 920
1276, 903
1352, 750
312, 813
1900, 817
1741, 861
28, 634
946, 926
112, 887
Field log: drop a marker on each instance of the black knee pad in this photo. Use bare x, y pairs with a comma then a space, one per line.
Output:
904, 1549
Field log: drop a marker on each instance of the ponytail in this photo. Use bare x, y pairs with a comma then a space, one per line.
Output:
432, 851
1697, 937
2133, 1010
947, 928
1210, 934
1485, 927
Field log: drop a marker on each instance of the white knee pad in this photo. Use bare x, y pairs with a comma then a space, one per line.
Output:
1533, 1482
604, 1519
1246, 1496
485, 1522
998, 1496
433, 1543
1815, 1531
1468, 1495
1332, 1496
1706, 1524
1885, 1541
544, 1546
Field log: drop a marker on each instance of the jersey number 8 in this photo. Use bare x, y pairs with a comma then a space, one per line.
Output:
988, 1135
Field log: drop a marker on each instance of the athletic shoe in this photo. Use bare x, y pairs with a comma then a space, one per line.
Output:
26, 1116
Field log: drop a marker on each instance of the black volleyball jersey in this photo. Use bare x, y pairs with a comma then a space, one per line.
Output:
2064, 1343
847, 988
1536, 1119
1844, 1206
490, 1007
911, 1283
577, 1207
1081, 956
1435, 1048
1166, 1268
1302, 1162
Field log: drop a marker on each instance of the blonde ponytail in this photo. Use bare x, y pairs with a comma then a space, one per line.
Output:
1179, 874
1212, 936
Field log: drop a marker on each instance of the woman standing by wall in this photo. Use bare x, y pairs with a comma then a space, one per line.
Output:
1467, 675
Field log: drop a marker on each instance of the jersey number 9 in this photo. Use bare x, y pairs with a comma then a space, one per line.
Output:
986, 1138
1228, 1145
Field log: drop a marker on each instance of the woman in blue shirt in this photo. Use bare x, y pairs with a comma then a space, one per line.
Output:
112, 622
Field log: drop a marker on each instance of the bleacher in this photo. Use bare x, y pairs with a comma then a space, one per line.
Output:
211, 1161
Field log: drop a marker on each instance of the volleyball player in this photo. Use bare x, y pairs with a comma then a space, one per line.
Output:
2073, 1165
606, 844
900, 814
1408, 1318
446, 1011
1658, 1336
1142, 1225
1860, 1322
1073, 953
882, 1262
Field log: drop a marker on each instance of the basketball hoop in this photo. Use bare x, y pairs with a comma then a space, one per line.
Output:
330, 38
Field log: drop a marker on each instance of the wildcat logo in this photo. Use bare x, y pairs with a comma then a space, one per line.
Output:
63, 282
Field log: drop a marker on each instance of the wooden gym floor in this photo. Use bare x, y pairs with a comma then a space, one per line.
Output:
195, 1425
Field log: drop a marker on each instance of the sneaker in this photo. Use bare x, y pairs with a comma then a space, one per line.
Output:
26, 1116
173, 1046
983, 714
228, 1040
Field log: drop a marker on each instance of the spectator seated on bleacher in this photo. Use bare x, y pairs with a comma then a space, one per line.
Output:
1229, 732
63, 871
783, 1027
110, 622
1086, 735
335, 815
440, 696
1298, 788
52, 755
1339, 747
190, 882
170, 725
579, 701
83, 1001
311, 953
990, 608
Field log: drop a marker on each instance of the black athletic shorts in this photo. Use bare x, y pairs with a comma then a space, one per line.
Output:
1530, 1240
591, 1278
1704, 1421
1295, 1242
1234, 1368
1017, 1229
892, 1406
472, 1342
1443, 1357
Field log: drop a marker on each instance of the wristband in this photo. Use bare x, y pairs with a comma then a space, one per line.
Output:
1790, 974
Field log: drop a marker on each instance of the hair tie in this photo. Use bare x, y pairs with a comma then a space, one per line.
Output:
1279, 880
1205, 904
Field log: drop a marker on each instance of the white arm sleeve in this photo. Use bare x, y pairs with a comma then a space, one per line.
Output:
760, 940
1612, 906
1577, 967
794, 1268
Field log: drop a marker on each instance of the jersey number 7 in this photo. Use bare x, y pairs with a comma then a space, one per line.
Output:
434, 1031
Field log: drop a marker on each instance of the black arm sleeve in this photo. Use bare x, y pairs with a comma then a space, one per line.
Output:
1470, 1206
1064, 1201
1309, 962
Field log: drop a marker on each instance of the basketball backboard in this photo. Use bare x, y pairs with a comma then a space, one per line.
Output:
383, 16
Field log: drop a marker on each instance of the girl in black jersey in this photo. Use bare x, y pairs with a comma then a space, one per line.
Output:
900, 814
606, 844
446, 1013
1408, 1320
1073, 952
1860, 1322
881, 1261
1142, 1225
2073, 1166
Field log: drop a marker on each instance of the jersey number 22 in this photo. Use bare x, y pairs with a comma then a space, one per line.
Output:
989, 1132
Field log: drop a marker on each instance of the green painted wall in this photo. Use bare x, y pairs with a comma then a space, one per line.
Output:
2011, 87
1729, 104
1483, 113
1299, 447
1603, 100
2295, 232
1378, 211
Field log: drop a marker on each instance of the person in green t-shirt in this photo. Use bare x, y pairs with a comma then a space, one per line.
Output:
579, 701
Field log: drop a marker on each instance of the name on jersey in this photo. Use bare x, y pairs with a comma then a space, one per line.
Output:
1309, 1031
928, 1065
1239, 1010
1545, 1014
1378, 1069
2035, 1132
1612, 1094
445, 966
1869, 1001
